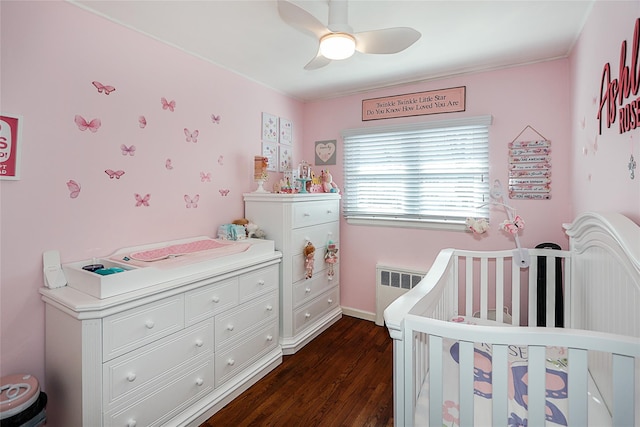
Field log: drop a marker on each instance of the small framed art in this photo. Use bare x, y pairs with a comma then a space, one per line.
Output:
10, 146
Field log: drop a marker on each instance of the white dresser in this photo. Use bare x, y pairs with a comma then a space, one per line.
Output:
307, 306
172, 353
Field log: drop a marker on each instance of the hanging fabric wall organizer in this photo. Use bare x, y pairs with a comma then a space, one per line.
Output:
530, 167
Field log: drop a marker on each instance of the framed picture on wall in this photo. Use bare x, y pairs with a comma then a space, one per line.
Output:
286, 158
270, 151
10, 146
286, 131
326, 152
269, 127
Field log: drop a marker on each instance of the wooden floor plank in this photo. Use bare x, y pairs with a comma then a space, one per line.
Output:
343, 378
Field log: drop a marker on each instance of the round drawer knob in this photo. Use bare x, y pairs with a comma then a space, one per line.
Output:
330, 301
269, 337
131, 423
149, 324
231, 362
269, 308
307, 315
199, 381
199, 343
229, 327
131, 377
261, 282
215, 299
307, 290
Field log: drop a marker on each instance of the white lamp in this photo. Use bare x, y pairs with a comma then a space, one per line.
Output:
337, 45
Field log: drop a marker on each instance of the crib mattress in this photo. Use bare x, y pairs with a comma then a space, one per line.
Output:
556, 399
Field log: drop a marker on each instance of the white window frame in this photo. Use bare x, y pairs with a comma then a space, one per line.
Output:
410, 138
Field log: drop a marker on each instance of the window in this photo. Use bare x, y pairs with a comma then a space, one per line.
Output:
432, 174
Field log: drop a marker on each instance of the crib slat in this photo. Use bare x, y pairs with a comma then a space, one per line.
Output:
466, 383
469, 285
623, 391
435, 381
551, 291
577, 387
536, 377
499, 288
533, 294
499, 385
484, 293
515, 293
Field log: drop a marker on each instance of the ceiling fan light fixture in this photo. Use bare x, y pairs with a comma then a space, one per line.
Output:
337, 46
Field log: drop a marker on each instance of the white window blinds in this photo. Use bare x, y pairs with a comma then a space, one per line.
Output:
425, 172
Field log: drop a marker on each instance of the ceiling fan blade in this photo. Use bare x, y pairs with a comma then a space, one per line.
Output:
388, 40
318, 62
301, 19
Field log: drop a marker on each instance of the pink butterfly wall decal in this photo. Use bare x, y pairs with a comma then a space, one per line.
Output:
74, 188
221, 160
191, 136
128, 150
205, 177
223, 192
83, 125
168, 164
142, 201
102, 88
192, 203
142, 122
215, 119
166, 105
114, 174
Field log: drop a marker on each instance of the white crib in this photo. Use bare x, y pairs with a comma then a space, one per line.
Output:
587, 373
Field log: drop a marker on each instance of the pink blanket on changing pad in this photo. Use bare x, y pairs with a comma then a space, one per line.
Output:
182, 254
177, 250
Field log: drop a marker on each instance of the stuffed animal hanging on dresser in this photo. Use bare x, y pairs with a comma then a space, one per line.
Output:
309, 252
331, 257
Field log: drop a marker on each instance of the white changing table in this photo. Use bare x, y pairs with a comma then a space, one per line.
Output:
173, 352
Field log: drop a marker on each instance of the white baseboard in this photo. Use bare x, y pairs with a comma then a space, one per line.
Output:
360, 314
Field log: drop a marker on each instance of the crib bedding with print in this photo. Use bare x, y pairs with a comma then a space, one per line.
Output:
459, 361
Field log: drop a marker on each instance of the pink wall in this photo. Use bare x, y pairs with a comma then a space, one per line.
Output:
601, 177
535, 95
51, 53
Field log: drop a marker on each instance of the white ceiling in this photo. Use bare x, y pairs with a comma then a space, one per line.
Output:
249, 38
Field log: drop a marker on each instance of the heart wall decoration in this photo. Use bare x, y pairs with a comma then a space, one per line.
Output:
326, 152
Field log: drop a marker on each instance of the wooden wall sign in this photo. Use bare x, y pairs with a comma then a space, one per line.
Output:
10, 146
530, 168
415, 104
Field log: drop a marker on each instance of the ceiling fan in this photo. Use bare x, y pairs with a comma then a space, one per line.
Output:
337, 39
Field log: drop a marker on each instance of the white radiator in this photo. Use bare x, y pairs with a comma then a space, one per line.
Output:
391, 282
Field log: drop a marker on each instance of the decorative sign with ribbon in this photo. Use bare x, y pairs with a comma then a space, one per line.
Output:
530, 168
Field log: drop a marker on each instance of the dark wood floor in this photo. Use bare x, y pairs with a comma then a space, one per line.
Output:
341, 378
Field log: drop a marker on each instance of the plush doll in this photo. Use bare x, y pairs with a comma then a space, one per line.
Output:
308, 252
328, 186
331, 257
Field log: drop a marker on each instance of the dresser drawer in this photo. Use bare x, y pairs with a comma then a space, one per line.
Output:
298, 271
134, 328
319, 235
128, 374
237, 322
306, 290
233, 360
308, 314
205, 302
312, 213
258, 282
161, 404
